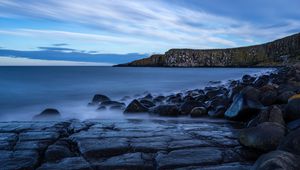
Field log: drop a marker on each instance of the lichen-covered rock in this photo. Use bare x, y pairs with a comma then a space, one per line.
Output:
277, 160
265, 136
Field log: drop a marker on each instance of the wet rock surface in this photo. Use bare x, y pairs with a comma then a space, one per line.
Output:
121, 144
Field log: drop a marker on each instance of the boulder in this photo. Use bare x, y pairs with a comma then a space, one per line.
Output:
135, 107
262, 81
292, 110
268, 97
243, 108
291, 143
277, 160
174, 99
293, 125
268, 114
166, 110
58, 151
98, 98
188, 106
159, 99
199, 112
265, 136
217, 112
283, 98
48, 114
147, 103
247, 79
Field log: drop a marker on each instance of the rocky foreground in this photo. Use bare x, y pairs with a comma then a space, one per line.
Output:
252, 123
123, 144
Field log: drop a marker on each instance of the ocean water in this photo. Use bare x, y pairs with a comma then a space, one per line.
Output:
26, 91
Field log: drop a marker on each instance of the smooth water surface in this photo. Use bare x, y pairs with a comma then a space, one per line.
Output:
26, 91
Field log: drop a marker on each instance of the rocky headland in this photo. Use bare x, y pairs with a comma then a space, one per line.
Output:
275, 53
251, 123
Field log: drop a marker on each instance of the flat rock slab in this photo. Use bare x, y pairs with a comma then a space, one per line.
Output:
121, 144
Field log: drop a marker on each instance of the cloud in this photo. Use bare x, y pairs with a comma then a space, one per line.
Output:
57, 49
60, 44
18, 61
148, 22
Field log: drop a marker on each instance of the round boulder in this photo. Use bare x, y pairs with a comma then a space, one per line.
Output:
98, 98
48, 114
276, 160
292, 109
291, 143
284, 97
188, 106
265, 136
166, 110
199, 112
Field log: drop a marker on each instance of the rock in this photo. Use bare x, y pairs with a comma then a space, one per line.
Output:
268, 97
265, 136
135, 107
189, 157
250, 92
159, 99
166, 110
73, 163
48, 114
199, 112
117, 107
211, 93
262, 81
269, 114
217, 112
243, 108
292, 109
19, 160
174, 99
293, 125
277, 160
188, 106
98, 98
129, 161
291, 143
147, 103
58, 151
284, 97
247, 79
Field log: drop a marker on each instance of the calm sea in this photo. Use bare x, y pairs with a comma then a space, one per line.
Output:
26, 91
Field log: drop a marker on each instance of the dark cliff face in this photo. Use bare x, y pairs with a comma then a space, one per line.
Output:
274, 53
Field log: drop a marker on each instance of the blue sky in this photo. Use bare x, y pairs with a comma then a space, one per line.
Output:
143, 26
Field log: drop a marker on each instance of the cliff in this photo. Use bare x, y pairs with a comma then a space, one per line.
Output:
275, 53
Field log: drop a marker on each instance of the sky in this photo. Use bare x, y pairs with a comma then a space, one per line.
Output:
143, 26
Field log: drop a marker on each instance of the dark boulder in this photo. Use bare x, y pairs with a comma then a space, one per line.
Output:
135, 107
291, 143
58, 151
48, 114
174, 99
217, 112
293, 125
147, 103
283, 98
159, 99
292, 110
247, 79
276, 160
199, 112
188, 106
265, 136
98, 98
261, 81
243, 108
268, 97
166, 110
211, 93
268, 114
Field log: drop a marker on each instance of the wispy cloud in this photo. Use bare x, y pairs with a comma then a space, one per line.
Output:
60, 44
142, 22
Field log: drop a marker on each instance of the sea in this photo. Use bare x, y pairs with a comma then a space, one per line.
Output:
27, 90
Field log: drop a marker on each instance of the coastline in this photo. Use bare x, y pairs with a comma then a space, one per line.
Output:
262, 125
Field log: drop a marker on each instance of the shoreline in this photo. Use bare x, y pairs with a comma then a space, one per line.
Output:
250, 124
